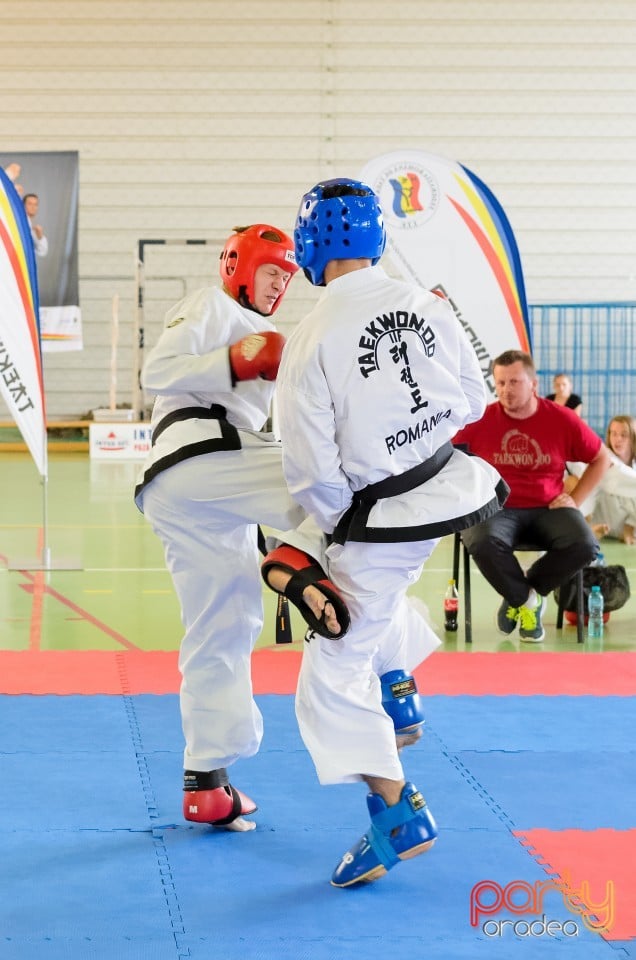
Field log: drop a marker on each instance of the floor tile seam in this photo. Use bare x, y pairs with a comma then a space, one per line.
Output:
299, 829
104, 830
335, 940
183, 953
495, 807
166, 877
473, 782
482, 791
516, 834
544, 749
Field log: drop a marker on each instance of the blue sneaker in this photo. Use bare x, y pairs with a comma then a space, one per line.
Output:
507, 618
396, 833
530, 625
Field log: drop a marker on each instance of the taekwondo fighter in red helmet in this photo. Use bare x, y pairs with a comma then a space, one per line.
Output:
212, 476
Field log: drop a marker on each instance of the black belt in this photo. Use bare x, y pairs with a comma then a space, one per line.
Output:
215, 412
353, 523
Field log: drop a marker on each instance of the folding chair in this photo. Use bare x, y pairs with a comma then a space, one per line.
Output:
522, 548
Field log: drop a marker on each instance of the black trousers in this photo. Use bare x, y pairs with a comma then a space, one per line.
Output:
563, 533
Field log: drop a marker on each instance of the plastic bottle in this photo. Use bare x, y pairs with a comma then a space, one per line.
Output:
451, 606
595, 613
599, 560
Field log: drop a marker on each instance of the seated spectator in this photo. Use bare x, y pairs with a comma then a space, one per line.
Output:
529, 440
611, 509
621, 439
563, 393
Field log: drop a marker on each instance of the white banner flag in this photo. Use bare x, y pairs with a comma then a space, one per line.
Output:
21, 375
447, 231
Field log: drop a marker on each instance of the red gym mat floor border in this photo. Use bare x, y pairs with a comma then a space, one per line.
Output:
598, 861
67, 672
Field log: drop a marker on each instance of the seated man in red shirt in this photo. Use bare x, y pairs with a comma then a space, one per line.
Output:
529, 439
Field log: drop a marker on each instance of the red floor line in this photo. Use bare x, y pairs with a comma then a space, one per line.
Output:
37, 599
84, 614
37, 605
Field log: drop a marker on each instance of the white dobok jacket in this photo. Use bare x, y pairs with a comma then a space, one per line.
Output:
197, 410
373, 385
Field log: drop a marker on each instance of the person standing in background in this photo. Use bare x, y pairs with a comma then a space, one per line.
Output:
563, 394
31, 203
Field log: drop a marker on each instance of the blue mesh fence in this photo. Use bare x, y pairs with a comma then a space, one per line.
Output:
595, 344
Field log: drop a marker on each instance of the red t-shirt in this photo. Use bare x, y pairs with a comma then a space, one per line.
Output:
530, 454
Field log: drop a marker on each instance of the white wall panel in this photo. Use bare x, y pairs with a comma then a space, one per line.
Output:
191, 116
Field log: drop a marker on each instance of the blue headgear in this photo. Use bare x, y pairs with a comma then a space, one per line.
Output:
337, 220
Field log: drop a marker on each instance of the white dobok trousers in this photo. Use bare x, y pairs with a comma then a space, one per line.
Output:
339, 702
205, 511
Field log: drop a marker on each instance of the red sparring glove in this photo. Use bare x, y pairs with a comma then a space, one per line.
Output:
257, 355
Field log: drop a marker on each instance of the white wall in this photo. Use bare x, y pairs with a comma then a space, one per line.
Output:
191, 116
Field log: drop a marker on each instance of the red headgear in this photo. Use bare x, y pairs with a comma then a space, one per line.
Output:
247, 250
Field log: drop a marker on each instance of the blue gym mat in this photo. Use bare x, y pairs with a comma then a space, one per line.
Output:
99, 865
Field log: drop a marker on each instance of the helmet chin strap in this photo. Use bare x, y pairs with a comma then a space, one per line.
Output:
310, 278
243, 300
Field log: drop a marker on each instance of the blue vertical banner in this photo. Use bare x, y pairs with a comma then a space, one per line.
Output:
447, 231
21, 373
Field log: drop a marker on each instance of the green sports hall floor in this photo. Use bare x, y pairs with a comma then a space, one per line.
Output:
106, 587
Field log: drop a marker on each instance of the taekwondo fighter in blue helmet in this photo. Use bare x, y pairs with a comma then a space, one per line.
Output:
374, 383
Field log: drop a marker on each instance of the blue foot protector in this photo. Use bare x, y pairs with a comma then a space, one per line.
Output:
396, 833
402, 702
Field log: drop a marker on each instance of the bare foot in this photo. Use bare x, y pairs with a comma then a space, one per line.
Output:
629, 536
240, 825
313, 597
600, 530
